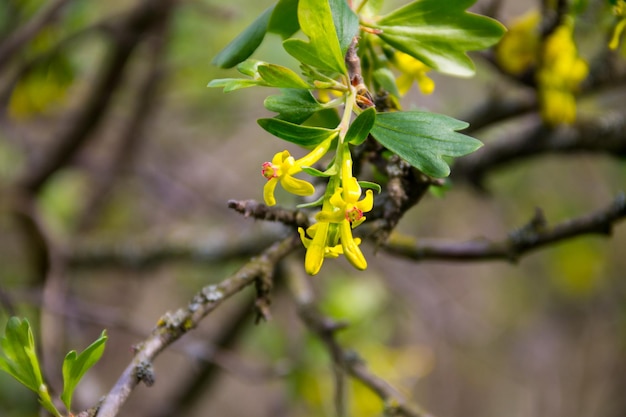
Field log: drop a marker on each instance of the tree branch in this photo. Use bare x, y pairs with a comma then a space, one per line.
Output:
172, 327
536, 234
603, 134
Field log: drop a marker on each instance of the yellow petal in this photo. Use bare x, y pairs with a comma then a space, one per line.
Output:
351, 248
314, 257
297, 186
268, 191
351, 190
404, 82
367, 203
426, 85
329, 216
315, 155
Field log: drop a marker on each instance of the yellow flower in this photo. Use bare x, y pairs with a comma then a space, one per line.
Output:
412, 70
315, 240
619, 10
560, 75
332, 236
517, 51
283, 168
347, 211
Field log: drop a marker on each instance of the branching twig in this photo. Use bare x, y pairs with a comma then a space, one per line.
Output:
531, 237
252, 208
325, 328
604, 134
171, 327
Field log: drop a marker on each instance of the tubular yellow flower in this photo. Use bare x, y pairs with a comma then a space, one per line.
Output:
282, 169
348, 213
412, 70
316, 241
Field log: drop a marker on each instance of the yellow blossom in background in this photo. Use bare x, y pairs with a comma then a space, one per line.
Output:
517, 50
559, 76
619, 10
412, 70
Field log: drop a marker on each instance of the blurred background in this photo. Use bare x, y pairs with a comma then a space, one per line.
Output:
116, 165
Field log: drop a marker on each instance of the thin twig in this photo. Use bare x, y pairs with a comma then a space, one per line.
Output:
535, 235
252, 208
604, 134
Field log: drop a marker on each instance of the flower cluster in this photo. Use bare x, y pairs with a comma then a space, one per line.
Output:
559, 68
342, 206
560, 75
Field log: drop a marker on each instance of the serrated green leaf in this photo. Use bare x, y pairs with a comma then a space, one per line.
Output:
361, 126
19, 355
232, 84
240, 48
284, 20
370, 185
75, 366
300, 135
423, 139
439, 33
293, 105
346, 23
323, 50
281, 77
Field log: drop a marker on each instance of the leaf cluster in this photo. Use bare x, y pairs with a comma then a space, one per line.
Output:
19, 359
438, 34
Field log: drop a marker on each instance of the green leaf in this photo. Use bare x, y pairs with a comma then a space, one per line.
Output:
317, 173
300, 135
246, 43
323, 50
361, 126
423, 139
281, 77
315, 203
19, 356
293, 105
385, 79
20, 360
346, 23
371, 185
439, 33
284, 20
75, 366
232, 84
